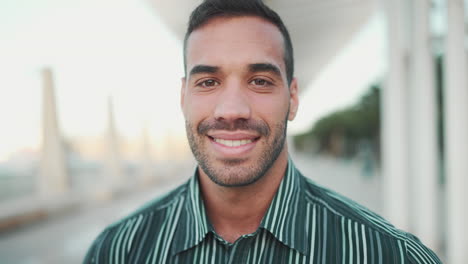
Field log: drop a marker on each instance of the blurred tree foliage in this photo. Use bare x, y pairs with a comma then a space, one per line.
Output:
346, 132
341, 132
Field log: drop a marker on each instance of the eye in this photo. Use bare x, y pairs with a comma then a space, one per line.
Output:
260, 82
208, 83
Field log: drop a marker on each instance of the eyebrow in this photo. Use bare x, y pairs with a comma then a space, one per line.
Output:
197, 69
264, 67
254, 67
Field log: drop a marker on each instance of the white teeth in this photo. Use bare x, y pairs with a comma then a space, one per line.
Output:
233, 143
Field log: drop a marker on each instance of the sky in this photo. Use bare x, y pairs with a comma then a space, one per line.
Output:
119, 48
96, 49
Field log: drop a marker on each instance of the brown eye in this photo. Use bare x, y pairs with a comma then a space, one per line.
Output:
209, 83
260, 82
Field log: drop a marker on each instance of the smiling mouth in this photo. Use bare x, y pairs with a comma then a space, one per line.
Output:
233, 143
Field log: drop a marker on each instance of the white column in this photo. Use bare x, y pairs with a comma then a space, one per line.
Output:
394, 119
423, 128
53, 179
114, 175
456, 133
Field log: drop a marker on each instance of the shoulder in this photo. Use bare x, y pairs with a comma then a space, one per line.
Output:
123, 235
359, 225
417, 252
345, 208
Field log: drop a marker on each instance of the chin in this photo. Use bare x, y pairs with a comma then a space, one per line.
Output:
233, 172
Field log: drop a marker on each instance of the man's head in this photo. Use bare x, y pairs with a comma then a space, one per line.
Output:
210, 9
237, 95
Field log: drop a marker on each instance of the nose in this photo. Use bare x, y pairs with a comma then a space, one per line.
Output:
232, 104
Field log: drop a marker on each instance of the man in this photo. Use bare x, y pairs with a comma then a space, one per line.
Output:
246, 202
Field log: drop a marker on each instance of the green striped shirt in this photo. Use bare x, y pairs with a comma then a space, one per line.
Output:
305, 223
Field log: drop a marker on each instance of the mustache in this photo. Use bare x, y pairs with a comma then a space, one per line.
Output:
238, 124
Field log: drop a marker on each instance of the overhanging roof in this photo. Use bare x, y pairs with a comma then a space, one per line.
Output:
319, 29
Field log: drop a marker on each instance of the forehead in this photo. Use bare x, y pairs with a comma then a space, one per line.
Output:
235, 41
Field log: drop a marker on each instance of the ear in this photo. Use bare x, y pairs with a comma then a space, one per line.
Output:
293, 99
182, 94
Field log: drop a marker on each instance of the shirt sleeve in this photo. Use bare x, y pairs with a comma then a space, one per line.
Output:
418, 253
95, 252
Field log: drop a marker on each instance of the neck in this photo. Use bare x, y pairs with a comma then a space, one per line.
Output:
235, 211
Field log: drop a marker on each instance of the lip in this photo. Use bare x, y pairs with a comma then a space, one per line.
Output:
235, 135
234, 151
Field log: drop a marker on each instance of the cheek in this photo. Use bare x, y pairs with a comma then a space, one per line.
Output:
271, 108
197, 108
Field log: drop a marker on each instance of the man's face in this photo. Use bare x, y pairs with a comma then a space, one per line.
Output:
235, 98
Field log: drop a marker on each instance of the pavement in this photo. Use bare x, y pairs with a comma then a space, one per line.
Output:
65, 237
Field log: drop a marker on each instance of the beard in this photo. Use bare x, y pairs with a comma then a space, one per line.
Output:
234, 172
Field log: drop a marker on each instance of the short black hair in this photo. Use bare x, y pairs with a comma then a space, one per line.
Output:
210, 9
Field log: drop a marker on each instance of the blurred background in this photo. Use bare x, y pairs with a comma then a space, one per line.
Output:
90, 125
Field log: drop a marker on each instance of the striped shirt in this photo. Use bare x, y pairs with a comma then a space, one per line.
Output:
304, 223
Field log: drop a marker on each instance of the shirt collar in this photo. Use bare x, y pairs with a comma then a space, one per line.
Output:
193, 225
284, 217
